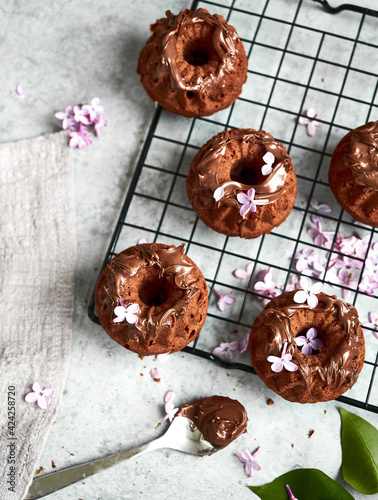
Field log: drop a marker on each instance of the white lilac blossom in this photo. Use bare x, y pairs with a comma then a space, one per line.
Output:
309, 342
78, 118
225, 349
247, 202
267, 168
241, 273
321, 208
290, 493
308, 292
20, 92
249, 461
225, 299
283, 362
40, 395
128, 313
372, 323
156, 374
311, 121
218, 193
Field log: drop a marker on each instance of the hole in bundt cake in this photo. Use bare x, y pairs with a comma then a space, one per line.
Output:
153, 292
199, 52
248, 171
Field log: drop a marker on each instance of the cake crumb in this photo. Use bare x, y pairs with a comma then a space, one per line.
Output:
292, 445
270, 402
192, 222
110, 355
235, 331
38, 471
53, 464
325, 411
95, 269
310, 432
53, 423
234, 389
227, 374
323, 80
142, 141
86, 301
141, 374
72, 455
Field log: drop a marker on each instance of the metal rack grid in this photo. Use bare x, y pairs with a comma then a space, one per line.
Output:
289, 45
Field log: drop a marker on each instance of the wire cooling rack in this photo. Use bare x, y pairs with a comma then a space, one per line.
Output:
300, 56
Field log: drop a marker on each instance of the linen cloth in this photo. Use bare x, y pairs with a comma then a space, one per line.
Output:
37, 263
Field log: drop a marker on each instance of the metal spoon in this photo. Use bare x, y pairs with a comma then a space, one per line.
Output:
181, 435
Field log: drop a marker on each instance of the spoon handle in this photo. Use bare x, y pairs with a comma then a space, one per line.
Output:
54, 481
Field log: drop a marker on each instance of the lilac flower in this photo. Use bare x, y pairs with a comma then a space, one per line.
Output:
309, 342
371, 268
367, 285
308, 292
266, 286
20, 92
241, 274
354, 246
247, 202
170, 410
243, 344
311, 121
319, 236
283, 362
67, 117
249, 461
269, 160
80, 139
156, 374
225, 349
308, 262
321, 208
373, 322
87, 108
218, 193
291, 496
99, 123
225, 299
81, 115
126, 313
40, 395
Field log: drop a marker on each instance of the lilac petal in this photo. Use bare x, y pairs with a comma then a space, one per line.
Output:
131, 318
300, 297
244, 209
162, 357
61, 115
277, 366
233, 345
48, 392
301, 340
303, 121
269, 158
252, 206
142, 240
133, 308
229, 357
119, 319
311, 129
156, 374
266, 169
240, 273
31, 397
218, 351
218, 193
222, 304
312, 333
305, 283
229, 300
120, 311
255, 465
43, 402
317, 287
316, 218
242, 198
317, 344
248, 469
251, 194
372, 316
291, 367
324, 209
169, 395
37, 387
306, 349
312, 301
249, 267
311, 113
244, 456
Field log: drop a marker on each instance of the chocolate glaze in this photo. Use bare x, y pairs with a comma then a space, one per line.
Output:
267, 191
363, 158
337, 368
223, 41
170, 262
220, 419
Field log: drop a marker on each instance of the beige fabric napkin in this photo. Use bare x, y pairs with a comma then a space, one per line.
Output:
37, 263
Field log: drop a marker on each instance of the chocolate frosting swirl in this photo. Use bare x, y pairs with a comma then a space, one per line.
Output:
223, 41
220, 419
363, 156
336, 368
169, 262
267, 191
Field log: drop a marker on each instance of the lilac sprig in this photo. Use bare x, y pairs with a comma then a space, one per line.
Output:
80, 120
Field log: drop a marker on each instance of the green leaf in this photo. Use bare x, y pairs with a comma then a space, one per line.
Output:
359, 441
309, 484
